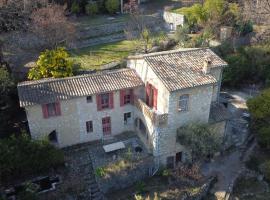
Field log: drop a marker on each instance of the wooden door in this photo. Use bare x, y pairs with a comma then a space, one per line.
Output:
106, 126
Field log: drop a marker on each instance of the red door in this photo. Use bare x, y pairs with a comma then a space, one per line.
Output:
106, 125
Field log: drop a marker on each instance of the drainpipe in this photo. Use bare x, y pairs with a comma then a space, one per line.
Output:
219, 85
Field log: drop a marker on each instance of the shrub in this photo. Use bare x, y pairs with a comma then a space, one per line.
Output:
253, 163
21, 156
140, 187
91, 8
100, 172
75, 8
244, 28
112, 6
265, 169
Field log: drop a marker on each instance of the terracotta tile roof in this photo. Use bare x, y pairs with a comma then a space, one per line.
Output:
179, 69
51, 90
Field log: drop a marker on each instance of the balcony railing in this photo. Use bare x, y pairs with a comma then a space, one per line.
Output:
157, 119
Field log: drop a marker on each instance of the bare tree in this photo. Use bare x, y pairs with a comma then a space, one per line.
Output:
52, 26
137, 27
257, 9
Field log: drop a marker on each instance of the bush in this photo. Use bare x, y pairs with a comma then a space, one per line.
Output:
253, 163
75, 8
244, 28
112, 6
91, 8
21, 156
100, 172
265, 169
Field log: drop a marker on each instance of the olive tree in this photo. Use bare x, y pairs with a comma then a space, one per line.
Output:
200, 139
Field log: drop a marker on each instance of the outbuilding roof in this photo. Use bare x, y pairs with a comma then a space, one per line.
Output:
182, 68
53, 89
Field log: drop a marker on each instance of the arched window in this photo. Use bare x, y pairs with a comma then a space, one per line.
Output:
183, 103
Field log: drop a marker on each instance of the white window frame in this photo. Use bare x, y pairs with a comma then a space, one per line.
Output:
183, 103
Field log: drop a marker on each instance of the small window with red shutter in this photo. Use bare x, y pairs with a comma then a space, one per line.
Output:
126, 97
51, 110
105, 101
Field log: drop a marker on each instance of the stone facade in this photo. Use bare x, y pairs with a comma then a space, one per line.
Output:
156, 127
173, 20
70, 126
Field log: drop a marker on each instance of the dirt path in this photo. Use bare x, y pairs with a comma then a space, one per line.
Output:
227, 168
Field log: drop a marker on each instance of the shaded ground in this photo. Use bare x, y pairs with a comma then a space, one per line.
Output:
250, 189
161, 186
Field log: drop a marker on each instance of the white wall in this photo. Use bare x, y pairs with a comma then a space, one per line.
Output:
70, 126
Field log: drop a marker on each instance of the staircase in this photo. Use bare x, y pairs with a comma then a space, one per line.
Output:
95, 193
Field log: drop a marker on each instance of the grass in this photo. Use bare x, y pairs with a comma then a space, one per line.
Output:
95, 56
118, 166
98, 20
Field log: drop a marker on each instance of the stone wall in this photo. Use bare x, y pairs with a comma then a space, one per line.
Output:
125, 178
70, 126
173, 20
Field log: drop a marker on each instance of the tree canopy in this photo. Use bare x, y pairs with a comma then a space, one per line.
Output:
211, 12
6, 83
259, 108
248, 65
21, 156
200, 139
52, 63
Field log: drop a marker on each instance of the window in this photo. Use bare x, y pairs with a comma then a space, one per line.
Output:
106, 125
51, 110
127, 118
184, 102
89, 126
105, 100
126, 97
89, 99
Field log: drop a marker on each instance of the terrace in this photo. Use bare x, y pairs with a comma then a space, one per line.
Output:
155, 117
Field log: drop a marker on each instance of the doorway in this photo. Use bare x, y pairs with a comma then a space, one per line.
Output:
178, 157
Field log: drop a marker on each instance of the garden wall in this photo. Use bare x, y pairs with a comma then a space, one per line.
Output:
126, 178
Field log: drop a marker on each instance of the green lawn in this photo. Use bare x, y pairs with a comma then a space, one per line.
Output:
95, 56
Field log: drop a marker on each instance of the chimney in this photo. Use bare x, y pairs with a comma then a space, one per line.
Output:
207, 65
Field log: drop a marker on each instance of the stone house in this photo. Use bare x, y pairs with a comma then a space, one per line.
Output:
156, 94
173, 20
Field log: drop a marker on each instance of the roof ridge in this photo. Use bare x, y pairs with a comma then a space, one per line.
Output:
168, 52
98, 73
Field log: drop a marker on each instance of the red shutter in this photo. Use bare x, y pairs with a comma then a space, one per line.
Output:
57, 108
131, 96
98, 98
147, 93
155, 91
122, 97
111, 100
45, 111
